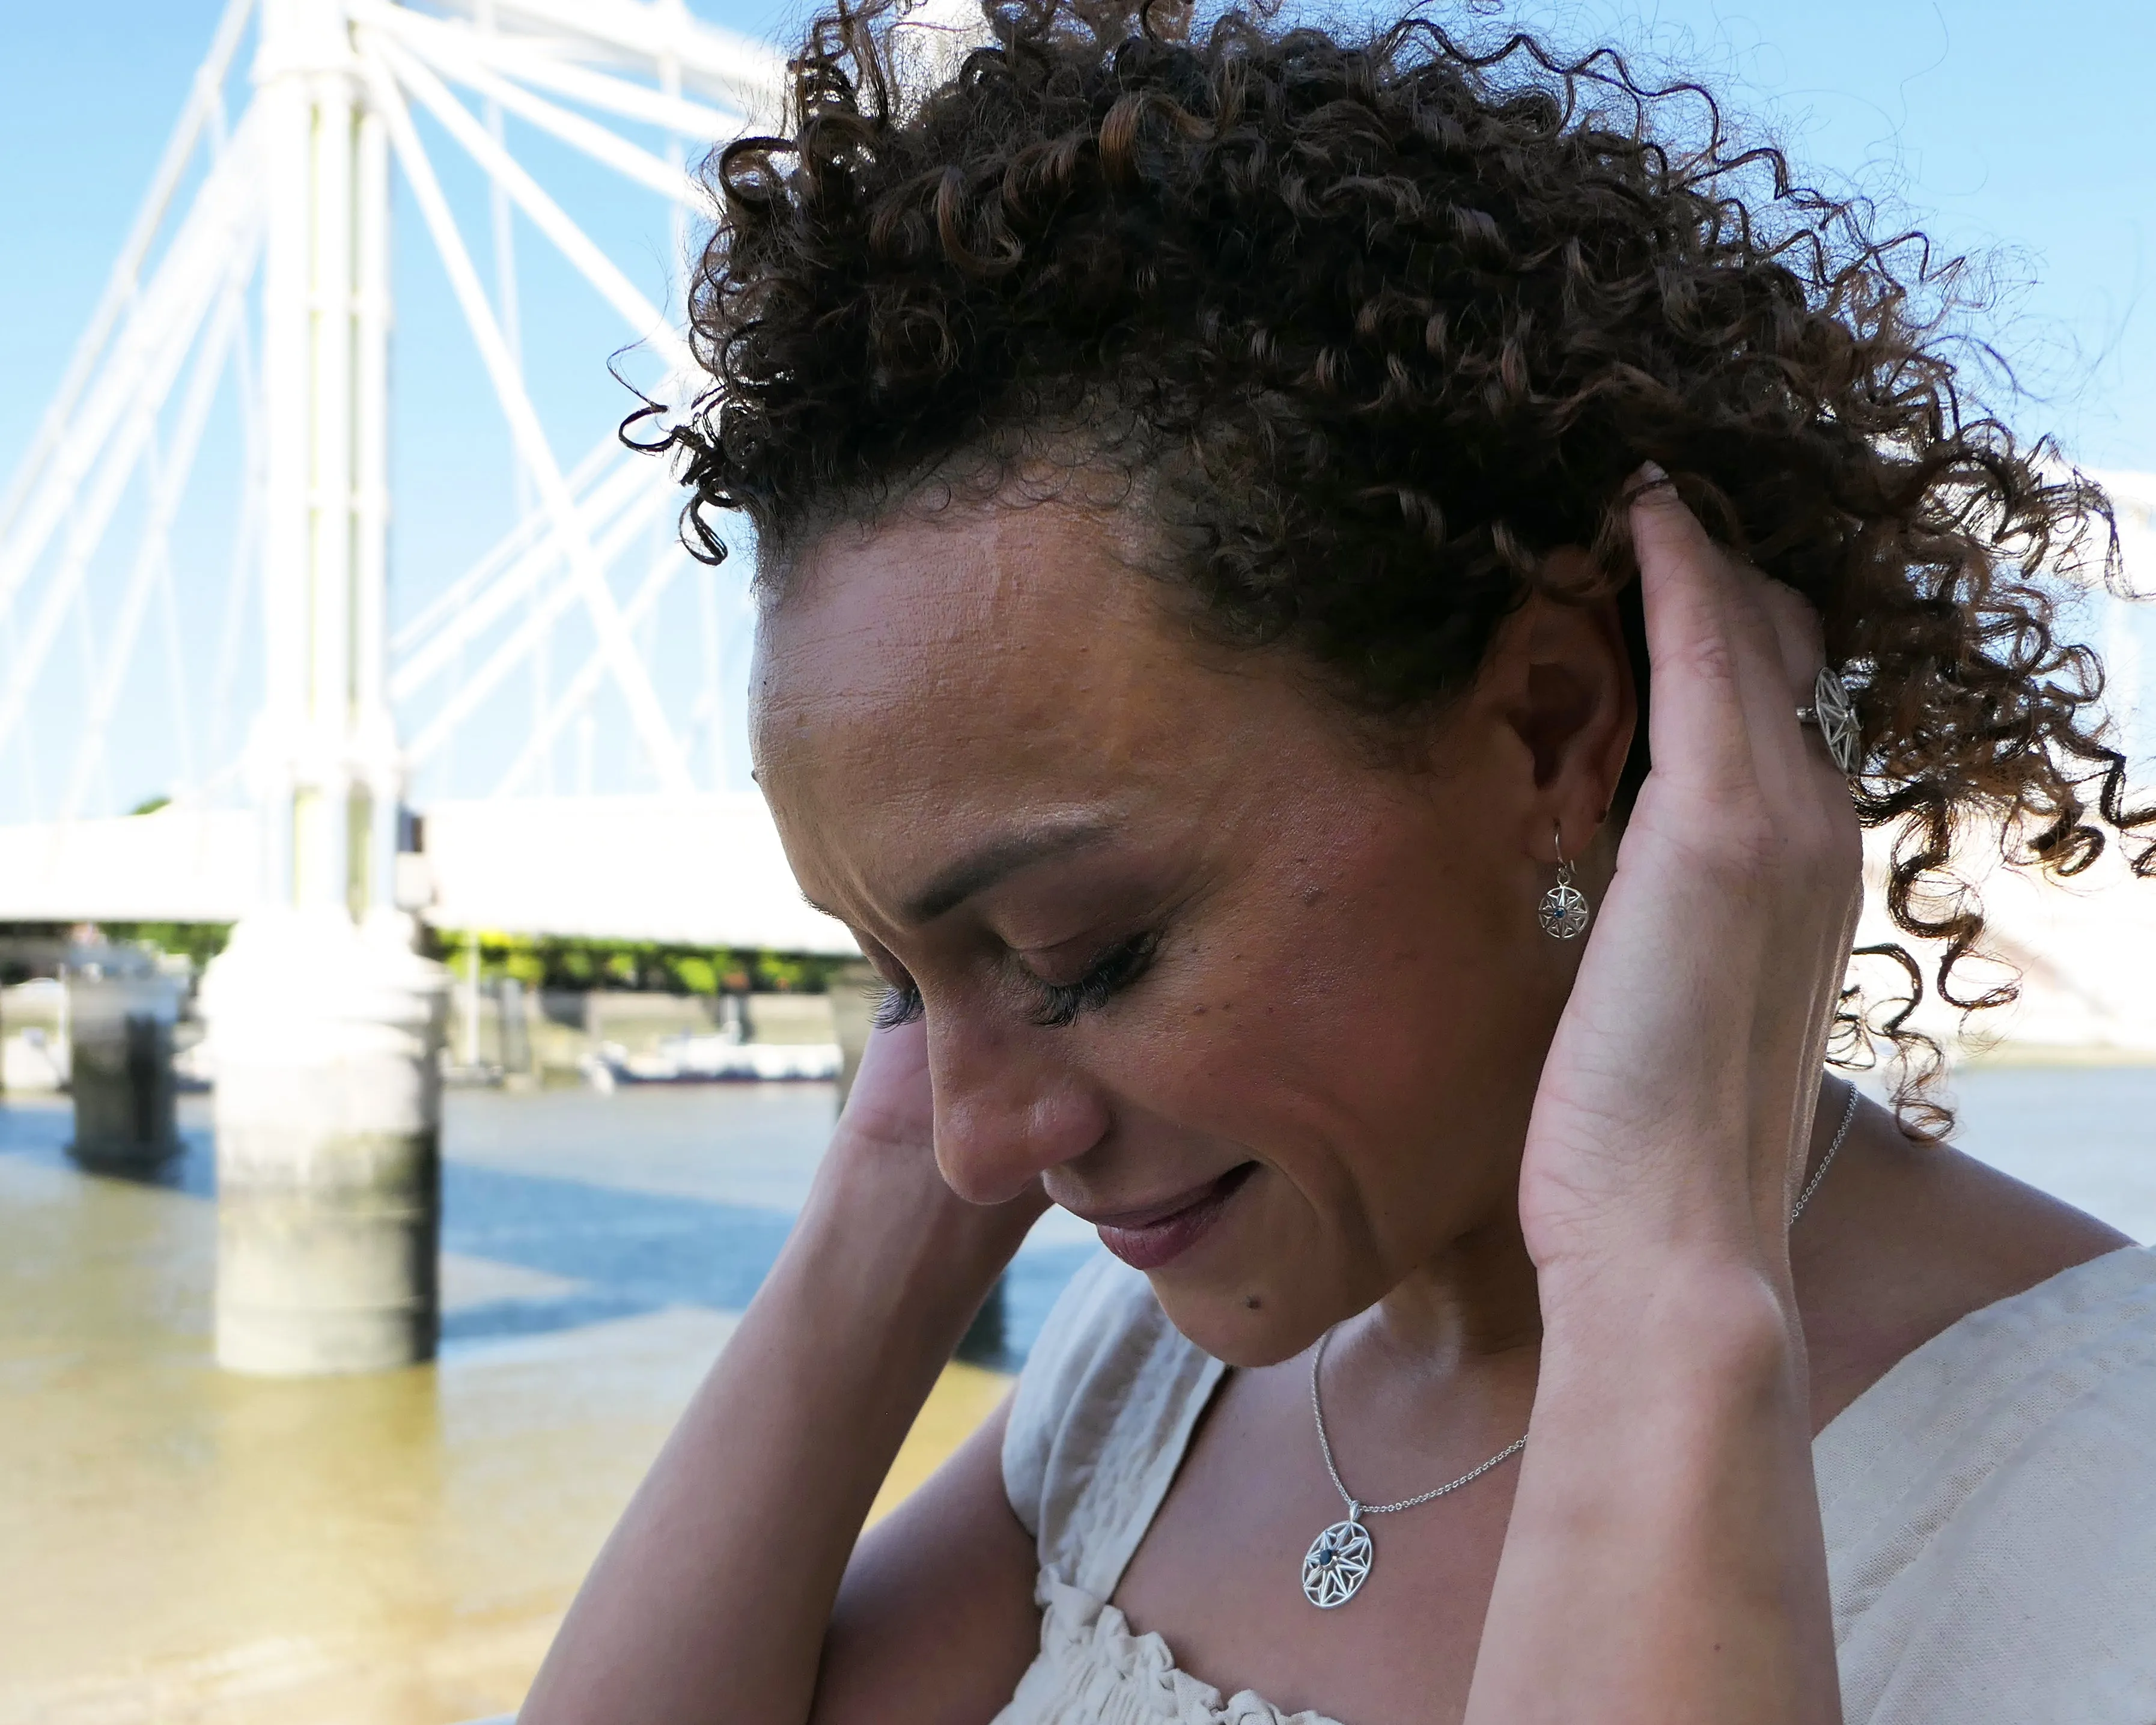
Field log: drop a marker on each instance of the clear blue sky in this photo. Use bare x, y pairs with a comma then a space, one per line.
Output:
2023, 133
2002, 125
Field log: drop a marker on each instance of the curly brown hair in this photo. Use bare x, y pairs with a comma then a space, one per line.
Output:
1385, 319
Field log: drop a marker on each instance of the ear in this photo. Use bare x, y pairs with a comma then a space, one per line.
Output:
1558, 679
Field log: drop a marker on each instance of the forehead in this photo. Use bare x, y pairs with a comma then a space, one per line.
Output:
922, 682
951, 592
999, 633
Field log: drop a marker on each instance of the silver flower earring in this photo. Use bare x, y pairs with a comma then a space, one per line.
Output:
1564, 912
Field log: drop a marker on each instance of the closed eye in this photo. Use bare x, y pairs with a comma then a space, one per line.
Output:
1112, 972
899, 1006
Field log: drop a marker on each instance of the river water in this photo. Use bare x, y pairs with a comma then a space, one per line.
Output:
177, 1544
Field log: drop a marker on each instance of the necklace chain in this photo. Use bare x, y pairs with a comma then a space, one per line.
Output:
1357, 1509
1833, 1150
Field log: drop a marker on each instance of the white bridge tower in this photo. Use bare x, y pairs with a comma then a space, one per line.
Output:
273, 272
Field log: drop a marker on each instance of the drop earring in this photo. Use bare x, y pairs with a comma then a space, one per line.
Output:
1564, 913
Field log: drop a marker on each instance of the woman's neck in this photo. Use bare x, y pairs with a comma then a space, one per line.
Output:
1476, 1299
1475, 1303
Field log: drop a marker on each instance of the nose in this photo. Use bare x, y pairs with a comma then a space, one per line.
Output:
1007, 1109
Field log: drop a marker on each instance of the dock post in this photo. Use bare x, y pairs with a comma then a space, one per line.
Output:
121, 1014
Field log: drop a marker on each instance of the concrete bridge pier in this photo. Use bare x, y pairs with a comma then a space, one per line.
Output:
327, 1038
325, 1026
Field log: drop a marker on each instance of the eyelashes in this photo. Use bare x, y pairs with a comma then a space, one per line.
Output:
899, 1006
1061, 1003
1114, 971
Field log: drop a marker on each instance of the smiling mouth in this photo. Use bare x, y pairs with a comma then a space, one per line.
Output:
1148, 1239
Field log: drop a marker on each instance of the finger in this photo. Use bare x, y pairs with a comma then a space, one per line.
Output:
1701, 656
1800, 643
1781, 640
1799, 748
1799, 772
1801, 638
1798, 635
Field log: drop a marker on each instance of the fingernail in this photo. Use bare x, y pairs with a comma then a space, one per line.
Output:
1651, 471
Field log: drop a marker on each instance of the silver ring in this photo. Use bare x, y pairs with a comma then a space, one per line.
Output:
1832, 714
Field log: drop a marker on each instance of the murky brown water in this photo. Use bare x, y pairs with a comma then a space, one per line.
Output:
178, 1544
181, 1547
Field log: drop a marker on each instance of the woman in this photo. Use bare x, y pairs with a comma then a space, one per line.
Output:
1223, 496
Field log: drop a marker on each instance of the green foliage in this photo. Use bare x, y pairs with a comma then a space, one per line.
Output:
696, 974
528, 968
792, 975
647, 966
201, 941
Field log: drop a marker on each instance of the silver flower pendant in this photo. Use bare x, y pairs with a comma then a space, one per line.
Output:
1336, 1564
1564, 913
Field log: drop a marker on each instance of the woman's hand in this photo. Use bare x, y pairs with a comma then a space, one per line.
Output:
1677, 1098
885, 1142
891, 1103
1664, 1563
714, 1594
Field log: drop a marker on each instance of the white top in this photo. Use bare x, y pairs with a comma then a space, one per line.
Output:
1990, 1507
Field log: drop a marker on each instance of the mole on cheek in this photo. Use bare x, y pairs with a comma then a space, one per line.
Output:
1251, 1301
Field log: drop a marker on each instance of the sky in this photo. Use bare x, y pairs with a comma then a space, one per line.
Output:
2022, 136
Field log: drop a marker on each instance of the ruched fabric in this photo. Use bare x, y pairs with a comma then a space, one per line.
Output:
1093, 1667
1990, 1507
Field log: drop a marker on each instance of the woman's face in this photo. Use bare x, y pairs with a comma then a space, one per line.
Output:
1266, 1007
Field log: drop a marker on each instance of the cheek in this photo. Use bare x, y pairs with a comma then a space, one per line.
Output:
1375, 990
1364, 1023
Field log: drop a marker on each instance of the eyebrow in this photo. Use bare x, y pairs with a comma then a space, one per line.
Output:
996, 860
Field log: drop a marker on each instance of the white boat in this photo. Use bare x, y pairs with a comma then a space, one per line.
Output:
714, 1059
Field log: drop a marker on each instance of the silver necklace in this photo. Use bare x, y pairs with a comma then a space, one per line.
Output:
1338, 1561
1833, 1150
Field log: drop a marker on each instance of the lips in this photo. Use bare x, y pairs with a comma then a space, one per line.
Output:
1146, 1239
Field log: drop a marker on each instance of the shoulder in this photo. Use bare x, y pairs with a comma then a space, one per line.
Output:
1104, 1407
1103, 1332
1987, 1506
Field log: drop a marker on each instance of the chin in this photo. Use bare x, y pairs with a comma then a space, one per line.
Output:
1247, 1322
1252, 1275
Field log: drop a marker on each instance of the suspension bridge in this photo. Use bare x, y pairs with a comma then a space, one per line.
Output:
218, 576
253, 299
195, 584
195, 549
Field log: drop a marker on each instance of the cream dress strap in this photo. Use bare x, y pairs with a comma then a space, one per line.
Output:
1990, 1507
1104, 1410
